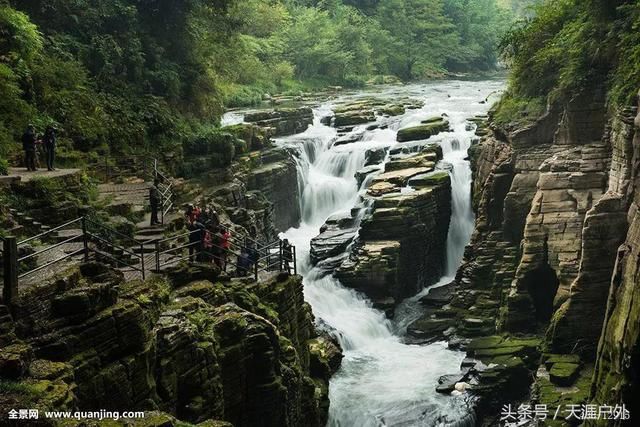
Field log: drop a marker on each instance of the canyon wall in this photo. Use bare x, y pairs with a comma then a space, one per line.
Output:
195, 347
556, 237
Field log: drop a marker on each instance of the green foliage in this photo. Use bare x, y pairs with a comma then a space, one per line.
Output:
626, 77
514, 112
147, 75
4, 167
569, 46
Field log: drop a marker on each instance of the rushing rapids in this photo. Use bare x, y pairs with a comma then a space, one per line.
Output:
384, 381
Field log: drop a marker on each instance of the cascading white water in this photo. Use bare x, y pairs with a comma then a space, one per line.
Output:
383, 381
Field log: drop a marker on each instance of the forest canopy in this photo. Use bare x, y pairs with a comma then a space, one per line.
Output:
120, 74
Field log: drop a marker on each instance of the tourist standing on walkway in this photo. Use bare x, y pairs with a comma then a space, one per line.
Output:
196, 235
287, 255
50, 146
29, 146
155, 201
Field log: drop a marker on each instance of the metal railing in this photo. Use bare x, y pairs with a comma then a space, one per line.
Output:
140, 165
193, 247
110, 244
28, 262
86, 239
97, 241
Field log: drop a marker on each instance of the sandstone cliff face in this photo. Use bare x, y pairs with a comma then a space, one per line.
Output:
616, 375
196, 349
556, 208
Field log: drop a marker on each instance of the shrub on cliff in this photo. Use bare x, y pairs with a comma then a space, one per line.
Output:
569, 46
219, 146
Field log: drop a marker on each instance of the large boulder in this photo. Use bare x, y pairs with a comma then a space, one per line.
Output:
423, 131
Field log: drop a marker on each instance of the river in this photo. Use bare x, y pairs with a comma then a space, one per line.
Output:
383, 381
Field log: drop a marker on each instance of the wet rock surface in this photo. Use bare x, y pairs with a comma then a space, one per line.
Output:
399, 225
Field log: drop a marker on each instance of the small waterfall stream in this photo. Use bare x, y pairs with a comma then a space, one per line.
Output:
383, 381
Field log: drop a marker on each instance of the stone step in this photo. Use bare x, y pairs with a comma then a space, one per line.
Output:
145, 249
150, 231
16, 229
148, 238
60, 235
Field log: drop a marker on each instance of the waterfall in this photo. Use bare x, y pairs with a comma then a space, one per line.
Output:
384, 381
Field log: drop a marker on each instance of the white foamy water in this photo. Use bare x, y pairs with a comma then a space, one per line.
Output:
383, 381
231, 118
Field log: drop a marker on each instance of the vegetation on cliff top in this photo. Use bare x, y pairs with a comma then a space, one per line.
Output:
567, 47
125, 75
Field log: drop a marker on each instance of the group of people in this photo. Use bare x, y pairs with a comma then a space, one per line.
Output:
30, 142
210, 241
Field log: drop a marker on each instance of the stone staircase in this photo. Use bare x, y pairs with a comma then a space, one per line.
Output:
125, 198
26, 224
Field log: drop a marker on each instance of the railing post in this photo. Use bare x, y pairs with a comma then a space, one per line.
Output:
162, 208
85, 240
10, 255
142, 260
295, 260
157, 256
255, 269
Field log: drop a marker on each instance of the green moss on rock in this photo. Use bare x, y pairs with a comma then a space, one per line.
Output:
393, 110
423, 131
564, 374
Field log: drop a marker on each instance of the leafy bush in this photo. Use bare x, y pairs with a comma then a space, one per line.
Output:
514, 112
4, 167
570, 46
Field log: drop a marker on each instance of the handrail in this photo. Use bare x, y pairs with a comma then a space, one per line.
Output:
30, 239
48, 248
105, 254
55, 261
106, 242
95, 236
116, 232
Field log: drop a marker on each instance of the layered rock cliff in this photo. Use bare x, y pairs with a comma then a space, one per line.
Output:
396, 244
556, 232
195, 346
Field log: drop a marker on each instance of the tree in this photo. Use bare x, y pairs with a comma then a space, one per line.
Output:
422, 35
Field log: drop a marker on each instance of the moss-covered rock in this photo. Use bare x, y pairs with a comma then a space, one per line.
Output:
14, 360
393, 110
282, 121
554, 396
430, 180
351, 118
423, 131
253, 136
199, 351
326, 357
430, 120
491, 349
564, 374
